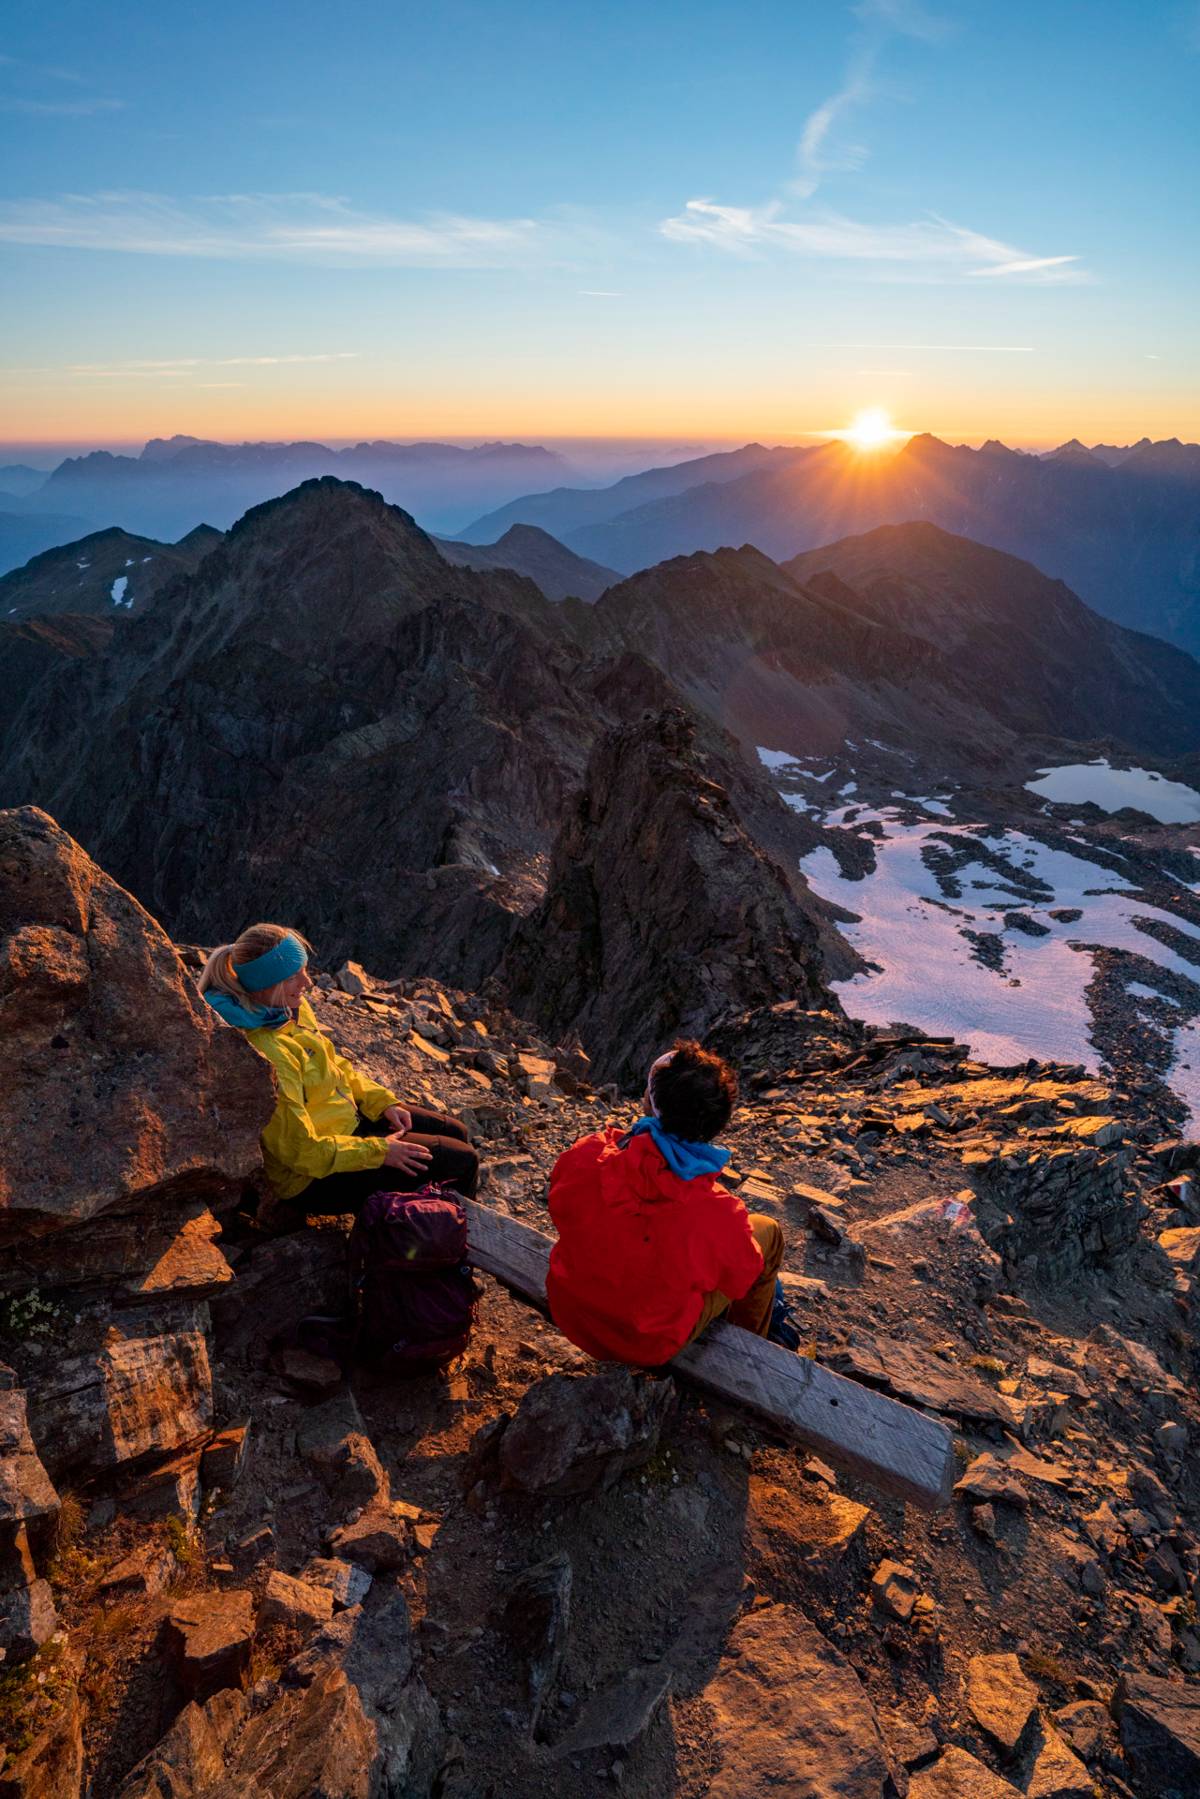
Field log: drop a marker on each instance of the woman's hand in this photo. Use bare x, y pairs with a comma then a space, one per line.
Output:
402, 1153
398, 1118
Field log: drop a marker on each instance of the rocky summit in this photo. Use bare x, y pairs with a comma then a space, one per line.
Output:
227, 1567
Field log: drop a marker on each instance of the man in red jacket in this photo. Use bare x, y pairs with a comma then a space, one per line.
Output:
650, 1247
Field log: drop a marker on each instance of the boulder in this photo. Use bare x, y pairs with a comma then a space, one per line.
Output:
988, 1482
333, 1441
578, 1433
1000, 1698
295, 1604
1160, 1731
348, 1583
26, 1491
790, 1715
169, 1489
895, 1590
277, 1283
27, 1620
536, 1620
224, 1457
379, 1539
130, 1258
172, 1101
140, 1384
1057, 1772
794, 1540
317, 1742
208, 1636
957, 1775
618, 1716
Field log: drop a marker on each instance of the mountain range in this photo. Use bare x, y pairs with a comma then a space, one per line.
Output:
325, 719
1120, 527
178, 482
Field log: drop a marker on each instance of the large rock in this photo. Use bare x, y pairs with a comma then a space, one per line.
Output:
796, 1540
208, 1637
1052, 1209
790, 1715
661, 915
1000, 1698
576, 1433
957, 1775
536, 1620
142, 1385
318, 1743
28, 1504
1160, 1732
125, 1080
279, 1282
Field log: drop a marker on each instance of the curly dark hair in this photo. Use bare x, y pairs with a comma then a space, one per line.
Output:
695, 1093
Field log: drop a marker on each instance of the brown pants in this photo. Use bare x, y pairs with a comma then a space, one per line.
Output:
753, 1311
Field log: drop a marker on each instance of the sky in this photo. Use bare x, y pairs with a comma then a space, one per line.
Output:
554, 219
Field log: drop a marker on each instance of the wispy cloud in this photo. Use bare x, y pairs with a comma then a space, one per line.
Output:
300, 228
934, 246
823, 147
59, 109
981, 349
180, 367
929, 248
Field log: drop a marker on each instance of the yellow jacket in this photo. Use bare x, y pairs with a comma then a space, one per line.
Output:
320, 1097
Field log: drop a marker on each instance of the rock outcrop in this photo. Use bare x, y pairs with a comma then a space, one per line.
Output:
122, 1093
661, 916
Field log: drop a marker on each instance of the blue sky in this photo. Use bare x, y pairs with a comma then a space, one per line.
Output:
565, 219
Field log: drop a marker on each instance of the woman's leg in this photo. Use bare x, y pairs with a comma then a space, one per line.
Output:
451, 1160
428, 1123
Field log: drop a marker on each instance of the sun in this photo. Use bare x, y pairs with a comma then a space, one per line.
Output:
870, 429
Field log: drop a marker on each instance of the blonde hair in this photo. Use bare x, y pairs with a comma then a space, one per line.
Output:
218, 972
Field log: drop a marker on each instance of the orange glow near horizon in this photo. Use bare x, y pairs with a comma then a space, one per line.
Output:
724, 413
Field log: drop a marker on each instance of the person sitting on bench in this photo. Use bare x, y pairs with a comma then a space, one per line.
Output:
335, 1135
651, 1248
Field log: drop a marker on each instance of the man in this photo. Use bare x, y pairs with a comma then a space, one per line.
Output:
651, 1248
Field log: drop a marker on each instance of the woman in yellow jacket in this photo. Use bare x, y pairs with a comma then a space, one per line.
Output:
335, 1135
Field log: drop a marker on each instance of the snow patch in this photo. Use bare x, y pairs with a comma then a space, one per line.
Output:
118, 591
83, 565
1075, 783
911, 926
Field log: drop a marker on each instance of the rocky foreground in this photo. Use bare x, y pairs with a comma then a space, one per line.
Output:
226, 1569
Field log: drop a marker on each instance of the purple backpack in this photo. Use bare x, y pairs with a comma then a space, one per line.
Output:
414, 1295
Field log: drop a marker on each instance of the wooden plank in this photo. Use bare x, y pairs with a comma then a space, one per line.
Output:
898, 1449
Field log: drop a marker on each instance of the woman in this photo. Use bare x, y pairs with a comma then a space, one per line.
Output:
651, 1248
335, 1135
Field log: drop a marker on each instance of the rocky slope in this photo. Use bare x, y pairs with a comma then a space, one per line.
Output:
661, 915
557, 571
910, 635
227, 1568
106, 575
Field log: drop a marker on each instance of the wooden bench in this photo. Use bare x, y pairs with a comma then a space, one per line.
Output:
898, 1449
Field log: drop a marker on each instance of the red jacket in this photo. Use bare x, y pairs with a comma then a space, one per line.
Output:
638, 1249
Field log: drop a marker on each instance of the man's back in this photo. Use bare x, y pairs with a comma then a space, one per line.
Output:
638, 1249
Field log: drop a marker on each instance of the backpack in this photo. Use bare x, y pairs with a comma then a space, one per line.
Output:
412, 1290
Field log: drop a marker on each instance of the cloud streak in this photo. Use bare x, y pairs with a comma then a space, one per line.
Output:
933, 246
59, 109
295, 228
929, 248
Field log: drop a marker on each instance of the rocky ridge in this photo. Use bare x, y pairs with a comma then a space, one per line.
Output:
531, 1575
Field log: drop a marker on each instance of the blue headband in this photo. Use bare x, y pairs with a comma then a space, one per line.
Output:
287, 958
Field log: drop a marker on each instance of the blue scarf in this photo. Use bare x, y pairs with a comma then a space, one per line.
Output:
687, 1160
262, 1018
